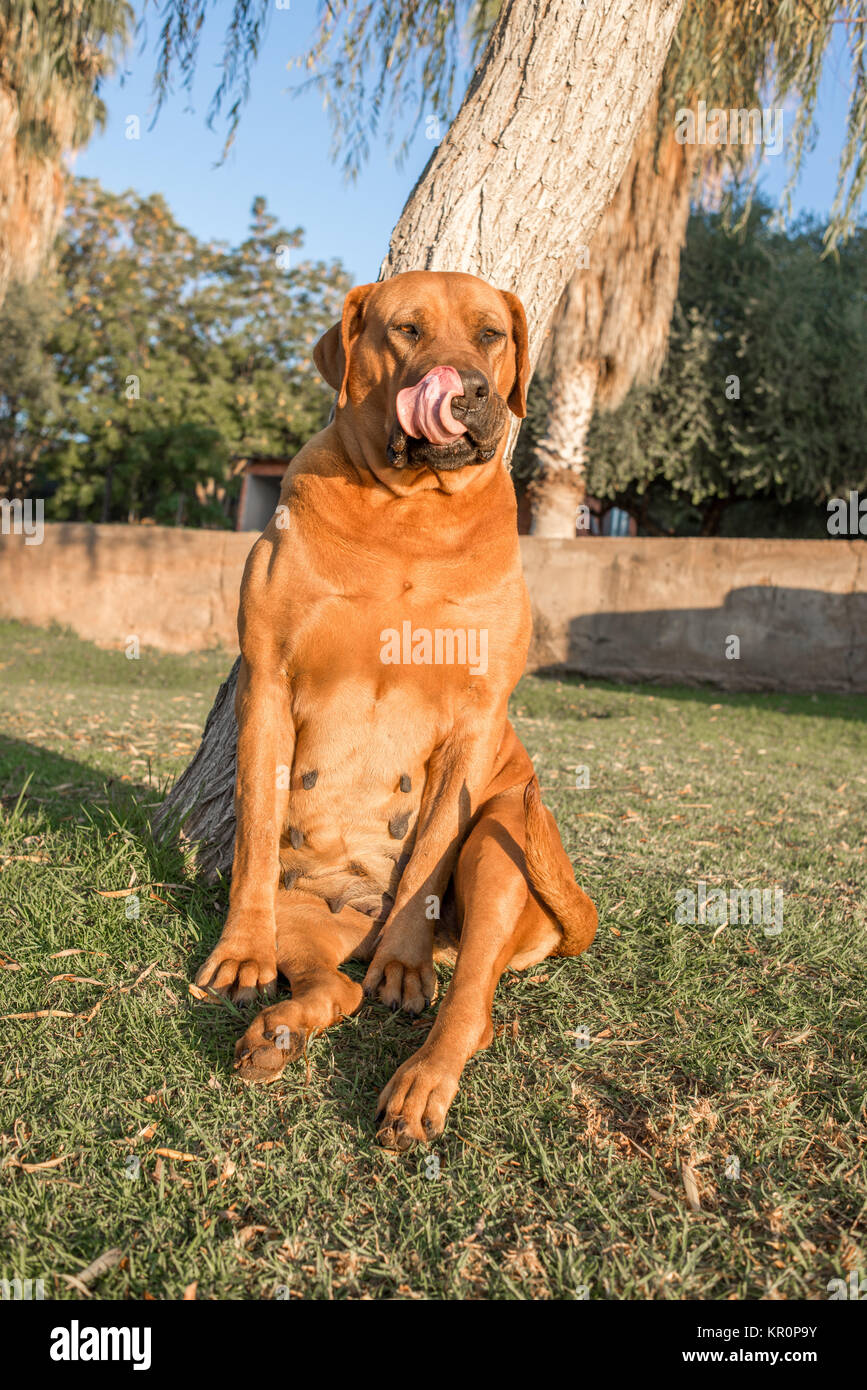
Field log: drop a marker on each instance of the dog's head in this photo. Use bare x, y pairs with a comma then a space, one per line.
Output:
428, 366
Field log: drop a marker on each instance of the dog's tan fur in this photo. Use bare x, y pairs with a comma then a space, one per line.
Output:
423, 794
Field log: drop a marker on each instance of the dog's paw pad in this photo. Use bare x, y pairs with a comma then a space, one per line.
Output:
260, 1063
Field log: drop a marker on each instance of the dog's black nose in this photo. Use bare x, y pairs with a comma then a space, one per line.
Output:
476, 392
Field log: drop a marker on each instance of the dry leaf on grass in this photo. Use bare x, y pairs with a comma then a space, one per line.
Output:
14, 1162
125, 989
248, 1233
76, 951
690, 1187
78, 980
75, 1283
101, 1265
40, 1013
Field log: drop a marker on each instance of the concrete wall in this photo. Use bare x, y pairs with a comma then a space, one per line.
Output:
662, 610
659, 610
173, 588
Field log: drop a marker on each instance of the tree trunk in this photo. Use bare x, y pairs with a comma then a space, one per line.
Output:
712, 515
513, 192
558, 491
611, 325
31, 199
201, 805
540, 144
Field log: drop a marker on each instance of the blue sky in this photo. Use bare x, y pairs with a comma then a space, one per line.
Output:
283, 150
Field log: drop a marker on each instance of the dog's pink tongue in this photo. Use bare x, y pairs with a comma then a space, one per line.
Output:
425, 410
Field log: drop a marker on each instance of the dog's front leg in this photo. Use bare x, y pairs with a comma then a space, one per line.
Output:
244, 961
401, 971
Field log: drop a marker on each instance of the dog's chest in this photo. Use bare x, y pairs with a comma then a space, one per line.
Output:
376, 684
385, 652
434, 630
357, 778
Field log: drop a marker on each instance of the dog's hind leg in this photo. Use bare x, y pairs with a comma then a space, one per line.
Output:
502, 923
312, 942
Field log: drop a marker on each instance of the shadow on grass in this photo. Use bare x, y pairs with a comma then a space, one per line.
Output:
55, 791
823, 705
53, 783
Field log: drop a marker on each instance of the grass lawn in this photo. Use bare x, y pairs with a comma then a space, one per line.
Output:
706, 1144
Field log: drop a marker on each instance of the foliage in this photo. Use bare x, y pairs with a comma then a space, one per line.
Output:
54, 57
382, 64
390, 64
763, 313
368, 59
524, 461
167, 358
759, 53
28, 387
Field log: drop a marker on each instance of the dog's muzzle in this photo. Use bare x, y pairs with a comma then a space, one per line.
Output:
446, 421
424, 411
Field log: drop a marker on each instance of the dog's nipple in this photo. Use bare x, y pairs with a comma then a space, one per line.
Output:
398, 826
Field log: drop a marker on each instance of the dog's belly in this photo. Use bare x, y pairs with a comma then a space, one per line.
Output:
356, 784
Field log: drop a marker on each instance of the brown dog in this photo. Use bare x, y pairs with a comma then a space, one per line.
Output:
385, 806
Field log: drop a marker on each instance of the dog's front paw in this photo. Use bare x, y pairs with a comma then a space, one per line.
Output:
268, 1044
412, 1108
401, 976
242, 964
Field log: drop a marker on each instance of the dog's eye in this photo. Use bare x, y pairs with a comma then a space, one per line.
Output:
408, 328
489, 334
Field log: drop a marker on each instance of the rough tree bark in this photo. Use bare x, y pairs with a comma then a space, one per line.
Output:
611, 326
519, 183
538, 148
558, 490
31, 200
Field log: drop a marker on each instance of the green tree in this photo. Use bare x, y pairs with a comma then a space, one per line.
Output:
269, 306
29, 396
762, 398
170, 361
130, 355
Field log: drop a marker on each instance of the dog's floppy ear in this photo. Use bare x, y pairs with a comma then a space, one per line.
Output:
517, 401
331, 353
